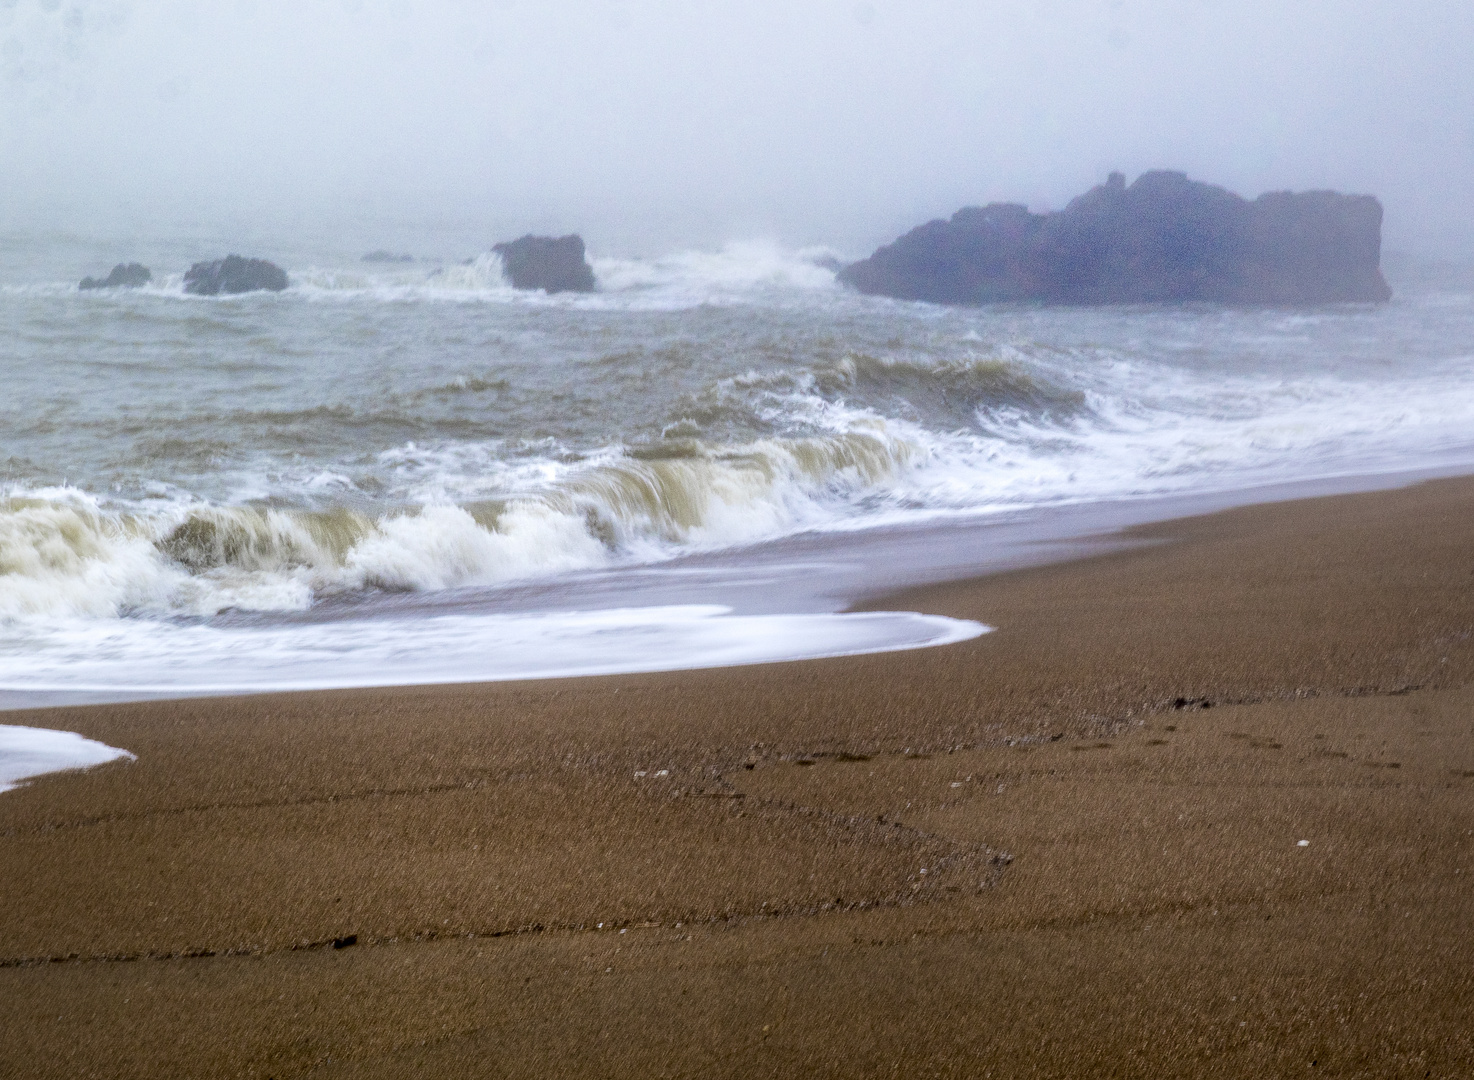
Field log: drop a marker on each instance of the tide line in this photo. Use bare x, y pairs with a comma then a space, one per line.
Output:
149, 657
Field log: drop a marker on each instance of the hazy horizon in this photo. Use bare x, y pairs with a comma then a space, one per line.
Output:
648, 127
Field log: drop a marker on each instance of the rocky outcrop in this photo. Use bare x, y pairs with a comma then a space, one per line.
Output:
382, 256
553, 264
234, 274
1164, 238
123, 276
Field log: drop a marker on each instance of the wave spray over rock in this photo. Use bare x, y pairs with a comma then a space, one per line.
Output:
1164, 238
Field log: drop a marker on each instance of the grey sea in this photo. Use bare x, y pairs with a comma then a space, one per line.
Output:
409, 472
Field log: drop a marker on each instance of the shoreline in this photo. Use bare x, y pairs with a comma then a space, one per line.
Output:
825, 572
1069, 847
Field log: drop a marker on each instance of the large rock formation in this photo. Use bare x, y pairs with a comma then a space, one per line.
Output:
1163, 239
234, 274
553, 264
123, 276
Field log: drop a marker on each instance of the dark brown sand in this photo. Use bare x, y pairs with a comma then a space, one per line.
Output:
1069, 848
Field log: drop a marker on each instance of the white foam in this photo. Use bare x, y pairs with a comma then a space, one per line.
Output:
135, 655
65, 552
60, 553
739, 273
444, 546
1149, 430
26, 752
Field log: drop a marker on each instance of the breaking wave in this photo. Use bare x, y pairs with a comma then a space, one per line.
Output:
65, 552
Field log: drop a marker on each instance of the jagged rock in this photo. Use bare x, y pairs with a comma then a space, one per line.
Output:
123, 276
547, 263
387, 256
234, 274
1163, 239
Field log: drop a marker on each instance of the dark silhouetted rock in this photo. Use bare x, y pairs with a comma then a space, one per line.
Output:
387, 256
123, 276
547, 263
1163, 239
234, 274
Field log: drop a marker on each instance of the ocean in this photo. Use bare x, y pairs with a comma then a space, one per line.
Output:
397, 473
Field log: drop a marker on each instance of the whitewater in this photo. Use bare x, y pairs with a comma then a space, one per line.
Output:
410, 472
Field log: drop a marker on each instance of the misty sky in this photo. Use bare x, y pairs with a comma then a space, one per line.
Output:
648, 126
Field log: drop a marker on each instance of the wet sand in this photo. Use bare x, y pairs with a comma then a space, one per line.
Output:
1068, 848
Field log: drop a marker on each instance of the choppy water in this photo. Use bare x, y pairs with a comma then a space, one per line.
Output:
172, 463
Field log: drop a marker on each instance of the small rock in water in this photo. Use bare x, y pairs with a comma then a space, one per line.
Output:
387, 256
234, 274
553, 264
123, 276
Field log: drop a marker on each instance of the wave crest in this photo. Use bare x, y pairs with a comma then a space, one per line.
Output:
64, 553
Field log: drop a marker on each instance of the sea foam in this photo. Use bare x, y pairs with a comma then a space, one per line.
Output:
136, 656
66, 552
26, 752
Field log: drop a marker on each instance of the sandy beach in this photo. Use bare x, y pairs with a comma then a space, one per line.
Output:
1200, 807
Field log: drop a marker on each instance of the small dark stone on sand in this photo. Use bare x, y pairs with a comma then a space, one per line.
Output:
344, 942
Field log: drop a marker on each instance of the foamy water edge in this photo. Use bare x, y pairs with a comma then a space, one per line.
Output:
28, 752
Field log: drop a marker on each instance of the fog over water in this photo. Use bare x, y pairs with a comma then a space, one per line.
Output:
408, 471
652, 127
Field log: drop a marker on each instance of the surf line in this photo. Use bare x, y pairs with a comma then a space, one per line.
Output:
164, 660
